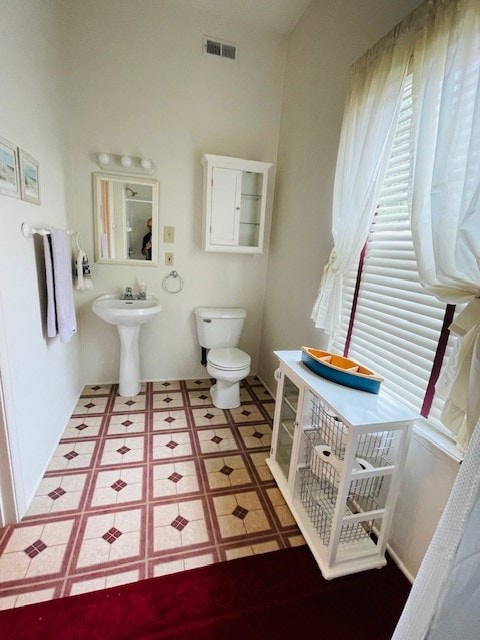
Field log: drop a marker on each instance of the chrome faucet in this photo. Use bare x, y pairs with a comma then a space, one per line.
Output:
128, 295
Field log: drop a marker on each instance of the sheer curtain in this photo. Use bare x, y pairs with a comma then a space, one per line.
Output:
446, 188
443, 603
366, 138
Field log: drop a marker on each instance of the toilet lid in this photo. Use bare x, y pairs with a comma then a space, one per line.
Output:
229, 358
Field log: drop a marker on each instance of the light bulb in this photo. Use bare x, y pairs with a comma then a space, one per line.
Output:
103, 158
126, 162
146, 164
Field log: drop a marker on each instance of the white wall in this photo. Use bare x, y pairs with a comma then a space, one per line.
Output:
426, 485
41, 378
139, 84
327, 40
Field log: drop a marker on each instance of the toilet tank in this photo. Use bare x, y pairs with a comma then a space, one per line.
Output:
219, 327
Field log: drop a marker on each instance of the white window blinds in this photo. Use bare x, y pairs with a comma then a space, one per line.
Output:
397, 324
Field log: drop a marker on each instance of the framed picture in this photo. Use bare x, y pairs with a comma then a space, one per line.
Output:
9, 171
30, 185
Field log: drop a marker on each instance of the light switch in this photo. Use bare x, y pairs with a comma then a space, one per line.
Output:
168, 259
169, 234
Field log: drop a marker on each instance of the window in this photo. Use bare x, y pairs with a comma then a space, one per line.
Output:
389, 321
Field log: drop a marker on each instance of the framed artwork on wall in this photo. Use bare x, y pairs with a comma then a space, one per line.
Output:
30, 184
9, 170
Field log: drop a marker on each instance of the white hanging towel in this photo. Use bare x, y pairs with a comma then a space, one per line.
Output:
60, 303
51, 311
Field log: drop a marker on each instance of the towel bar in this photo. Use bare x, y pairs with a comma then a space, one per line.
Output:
29, 231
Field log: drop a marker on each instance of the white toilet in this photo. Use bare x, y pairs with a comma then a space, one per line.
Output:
219, 330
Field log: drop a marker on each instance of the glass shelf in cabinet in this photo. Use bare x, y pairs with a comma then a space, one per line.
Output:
289, 427
291, 400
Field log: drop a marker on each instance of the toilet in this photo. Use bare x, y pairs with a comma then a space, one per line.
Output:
218, 331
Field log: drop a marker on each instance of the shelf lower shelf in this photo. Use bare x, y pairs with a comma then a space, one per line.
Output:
351, 557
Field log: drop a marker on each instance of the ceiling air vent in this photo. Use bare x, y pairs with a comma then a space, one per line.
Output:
219, 48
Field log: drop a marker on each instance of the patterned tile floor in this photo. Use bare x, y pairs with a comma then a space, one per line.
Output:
144, 486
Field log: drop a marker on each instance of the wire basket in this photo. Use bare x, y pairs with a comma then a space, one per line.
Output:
325, 446
372, 448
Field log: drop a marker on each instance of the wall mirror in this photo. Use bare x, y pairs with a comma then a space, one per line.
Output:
126, 219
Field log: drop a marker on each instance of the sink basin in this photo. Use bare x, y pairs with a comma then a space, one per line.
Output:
128, 316
129, 313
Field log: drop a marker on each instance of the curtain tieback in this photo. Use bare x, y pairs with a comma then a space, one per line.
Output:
320, 308
328, 271
467, 319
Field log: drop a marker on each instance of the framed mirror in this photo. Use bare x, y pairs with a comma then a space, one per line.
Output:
126, 219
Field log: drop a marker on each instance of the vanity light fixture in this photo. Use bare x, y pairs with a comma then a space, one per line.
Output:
125, 163
103, 159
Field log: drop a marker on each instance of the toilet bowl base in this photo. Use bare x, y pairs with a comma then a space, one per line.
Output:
225, 395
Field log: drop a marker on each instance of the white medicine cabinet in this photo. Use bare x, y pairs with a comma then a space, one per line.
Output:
234, 202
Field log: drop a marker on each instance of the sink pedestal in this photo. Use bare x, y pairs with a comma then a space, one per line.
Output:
129, 376
128, 315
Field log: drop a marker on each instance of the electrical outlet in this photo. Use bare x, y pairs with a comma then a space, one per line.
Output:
169, 259
169, 234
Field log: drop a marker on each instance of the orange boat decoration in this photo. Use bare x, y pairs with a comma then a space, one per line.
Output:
341, 370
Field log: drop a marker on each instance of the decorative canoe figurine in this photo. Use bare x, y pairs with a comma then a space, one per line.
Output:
341, 370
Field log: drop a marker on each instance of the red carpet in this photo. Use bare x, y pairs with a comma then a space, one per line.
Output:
274, 595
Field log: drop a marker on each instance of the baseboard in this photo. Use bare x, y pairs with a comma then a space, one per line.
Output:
400, 564
266, 387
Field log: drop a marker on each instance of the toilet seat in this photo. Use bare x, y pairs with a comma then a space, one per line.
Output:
228, 359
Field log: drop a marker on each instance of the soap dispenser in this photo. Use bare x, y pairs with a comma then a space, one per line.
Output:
142, 289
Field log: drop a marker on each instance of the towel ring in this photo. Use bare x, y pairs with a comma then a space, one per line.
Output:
177, 277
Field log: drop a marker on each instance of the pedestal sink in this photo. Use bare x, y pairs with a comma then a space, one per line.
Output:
128, 316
